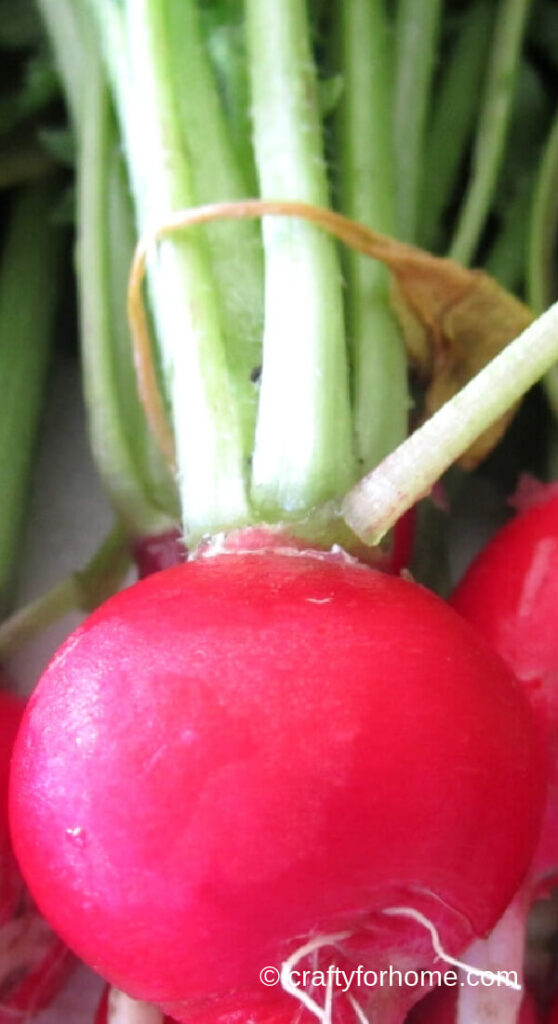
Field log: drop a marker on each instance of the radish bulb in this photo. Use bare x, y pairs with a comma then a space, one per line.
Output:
251, 759
510, 594
11, 710
33, 961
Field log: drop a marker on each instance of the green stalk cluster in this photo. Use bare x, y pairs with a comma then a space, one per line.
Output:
266, 396
29, 266
282, 383
136, 479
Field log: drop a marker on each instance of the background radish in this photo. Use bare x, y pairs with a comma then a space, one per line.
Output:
552, 1017
170, 783
218, 100
510, 593
34, 962
11, 710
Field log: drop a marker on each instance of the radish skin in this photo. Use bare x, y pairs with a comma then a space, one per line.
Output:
510, 594
253, 750
34, 962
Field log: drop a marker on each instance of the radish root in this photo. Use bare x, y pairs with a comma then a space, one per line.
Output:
323, 1013
123, 1010
477, 972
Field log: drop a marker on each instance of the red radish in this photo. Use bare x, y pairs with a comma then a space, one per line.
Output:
11, 710
510, 593
33, 961
260, 753
552, 1017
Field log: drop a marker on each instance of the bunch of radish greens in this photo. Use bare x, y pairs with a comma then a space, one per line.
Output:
278, 752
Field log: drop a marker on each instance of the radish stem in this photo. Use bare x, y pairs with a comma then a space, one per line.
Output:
367, 195
303, 452
492, 126
417, 29
115, 427
455, 108
541, 266
82, 590
408, 473
234, 249
28, 285
133, 472
206, 418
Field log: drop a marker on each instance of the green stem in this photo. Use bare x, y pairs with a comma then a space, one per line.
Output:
235, 247
365, 149
454, 114
153, 483
135, 476
408, 473
83, 590
205, 415
224, 38
506, 259
417, 29
114, 414
492, 127
65, 29
303, 452
541, 267
28, 289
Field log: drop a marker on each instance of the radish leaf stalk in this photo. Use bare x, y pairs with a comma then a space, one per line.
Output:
408, 473
28, 282
206, 418
455, 108
83, 589
234, 248
493, 125
416, 36
541, 266
113, 412
303, 451
366, 177
136, 479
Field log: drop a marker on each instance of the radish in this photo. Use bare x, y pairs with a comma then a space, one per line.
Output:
553, 1013
273, 757
510, 594
11, 710
33, 961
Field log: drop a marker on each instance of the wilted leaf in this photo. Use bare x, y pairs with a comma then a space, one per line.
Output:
454, 322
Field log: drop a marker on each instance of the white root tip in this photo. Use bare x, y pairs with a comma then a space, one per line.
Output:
489, 976
123, 1010
323, 1013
